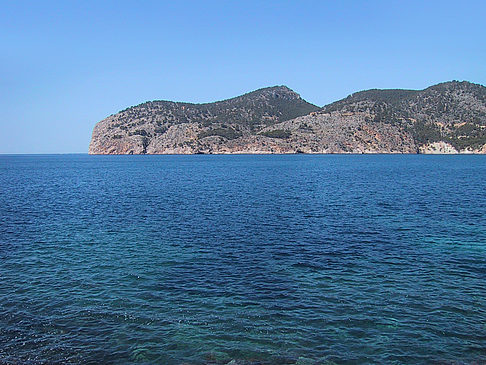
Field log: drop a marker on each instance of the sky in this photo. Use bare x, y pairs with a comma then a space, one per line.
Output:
65, 65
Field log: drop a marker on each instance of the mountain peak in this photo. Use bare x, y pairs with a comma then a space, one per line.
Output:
278, 91
456, 85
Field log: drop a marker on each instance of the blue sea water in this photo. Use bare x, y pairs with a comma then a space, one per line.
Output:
202, 259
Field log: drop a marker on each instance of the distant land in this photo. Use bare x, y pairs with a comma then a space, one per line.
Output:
445, 118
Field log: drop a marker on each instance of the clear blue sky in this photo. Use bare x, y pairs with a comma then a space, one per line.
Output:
66, 65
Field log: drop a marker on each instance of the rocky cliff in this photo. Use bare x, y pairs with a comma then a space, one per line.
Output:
445, 118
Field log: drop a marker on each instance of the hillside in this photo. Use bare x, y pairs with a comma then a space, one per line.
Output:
451, 112
445, 118
172, 127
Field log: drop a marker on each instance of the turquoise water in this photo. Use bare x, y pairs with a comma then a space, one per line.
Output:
257, 259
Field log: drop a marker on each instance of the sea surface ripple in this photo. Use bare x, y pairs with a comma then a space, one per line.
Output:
251, 259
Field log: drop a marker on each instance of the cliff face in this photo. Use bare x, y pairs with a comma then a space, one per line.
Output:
169, 127
445, 118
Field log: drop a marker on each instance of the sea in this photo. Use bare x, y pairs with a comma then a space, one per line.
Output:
243, 259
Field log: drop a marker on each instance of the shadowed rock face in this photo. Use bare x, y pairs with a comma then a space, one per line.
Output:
445, 118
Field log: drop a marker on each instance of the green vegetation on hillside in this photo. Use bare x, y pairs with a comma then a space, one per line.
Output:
453, 112
425, 133
430, 115
252, 111
277, 133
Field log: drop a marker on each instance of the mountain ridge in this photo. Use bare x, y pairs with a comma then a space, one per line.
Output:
449, 117
253, 92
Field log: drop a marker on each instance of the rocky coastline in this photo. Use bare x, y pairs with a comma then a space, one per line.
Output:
448, 118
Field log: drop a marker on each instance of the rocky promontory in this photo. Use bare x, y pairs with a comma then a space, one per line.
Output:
444, 118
